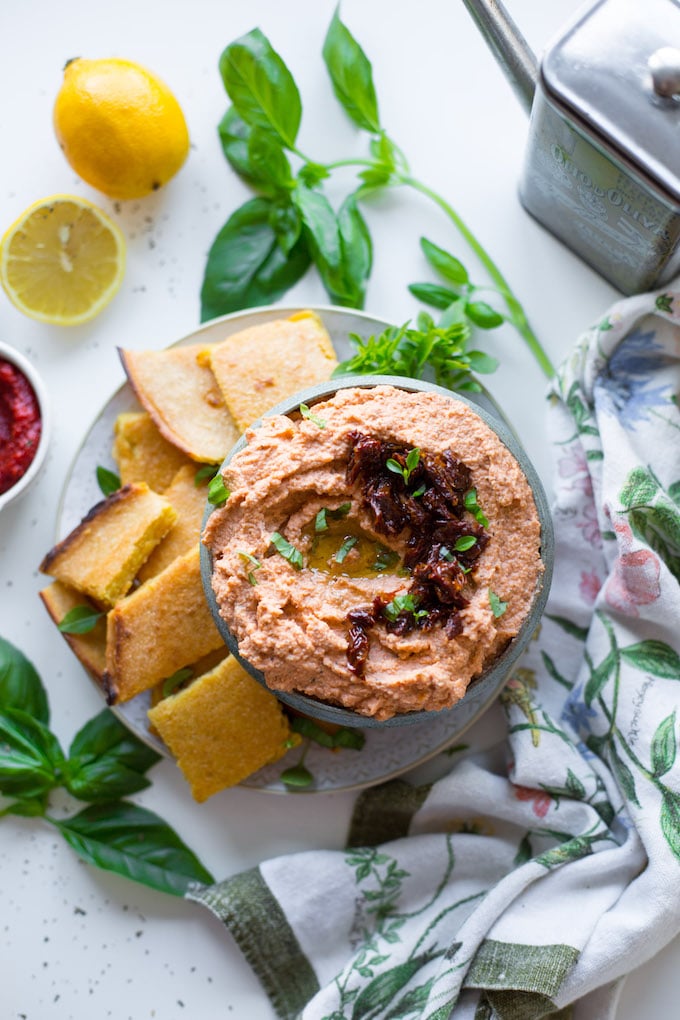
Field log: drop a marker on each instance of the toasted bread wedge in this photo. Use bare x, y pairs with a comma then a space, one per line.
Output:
90, 648
183, 399
259, 366
222, 728
102, 555
142, 454
163, 625
188, 500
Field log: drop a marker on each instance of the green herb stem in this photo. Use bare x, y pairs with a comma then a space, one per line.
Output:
518, 317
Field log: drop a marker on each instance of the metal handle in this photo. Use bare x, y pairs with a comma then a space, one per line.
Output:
509, 47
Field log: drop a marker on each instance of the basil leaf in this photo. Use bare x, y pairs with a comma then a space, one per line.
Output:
351, 75
307, 413
497, 606
218, 493
483, 315
444, 263
307, 727
341, 251
346, 546
30, 755
297, 776
234, 134
34, 807
464, 543
20, 685
173, 683
208, 471
246, 265
135, 843
285, 221
105, 735
102, 780
261, 87
481, 362
357, 248
434, 295
108, 481
80, 620
287, 550
268, 160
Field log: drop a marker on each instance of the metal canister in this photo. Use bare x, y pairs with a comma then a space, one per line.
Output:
602, 167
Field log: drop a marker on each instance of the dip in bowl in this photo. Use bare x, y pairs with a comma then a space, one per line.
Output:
23, 424
384, 549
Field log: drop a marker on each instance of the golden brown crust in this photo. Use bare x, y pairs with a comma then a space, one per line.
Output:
103, 554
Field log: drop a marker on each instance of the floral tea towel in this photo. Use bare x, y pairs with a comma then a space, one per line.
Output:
533, 876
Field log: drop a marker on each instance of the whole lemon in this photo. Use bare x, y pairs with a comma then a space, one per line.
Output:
120, 127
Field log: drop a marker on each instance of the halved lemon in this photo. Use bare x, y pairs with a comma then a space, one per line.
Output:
62, 261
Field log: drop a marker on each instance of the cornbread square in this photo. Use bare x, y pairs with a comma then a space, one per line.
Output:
102, 555
188, 500
89, 648
162, 626
204, 665
183, 399
222, 728
259, 366
142, 454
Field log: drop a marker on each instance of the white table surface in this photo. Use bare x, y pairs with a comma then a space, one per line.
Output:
77, 943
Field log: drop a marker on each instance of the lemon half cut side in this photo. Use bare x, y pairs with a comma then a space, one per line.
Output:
62, 260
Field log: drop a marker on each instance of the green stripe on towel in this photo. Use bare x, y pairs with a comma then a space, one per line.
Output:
384, 812
520, 1006
515, 966
254, 917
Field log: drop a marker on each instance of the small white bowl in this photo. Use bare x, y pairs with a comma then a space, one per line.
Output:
8, 353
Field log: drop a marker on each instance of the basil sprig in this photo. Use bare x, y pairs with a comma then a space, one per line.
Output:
268, 244
105, 762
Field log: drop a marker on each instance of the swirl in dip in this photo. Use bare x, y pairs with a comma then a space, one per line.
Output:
376, 552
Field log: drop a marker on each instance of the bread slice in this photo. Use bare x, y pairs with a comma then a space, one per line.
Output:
260, 366
222, 728
183, 399
142, 454
188, 499
89, 648
102, 555
162, 626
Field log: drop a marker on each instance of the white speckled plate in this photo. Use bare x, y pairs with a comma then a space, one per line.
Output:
386, 753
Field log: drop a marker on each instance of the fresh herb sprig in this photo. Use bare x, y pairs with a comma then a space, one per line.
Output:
105, 762
107, 480
269, 243
413, 351
80, 620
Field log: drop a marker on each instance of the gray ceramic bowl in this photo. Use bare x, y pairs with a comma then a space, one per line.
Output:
484, 688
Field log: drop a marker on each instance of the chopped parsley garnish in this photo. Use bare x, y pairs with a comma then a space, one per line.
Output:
251, 560
497, 607
80, 620
471, 504
348, 544
404, 604
306, 727
412, 460
174, 682
288, 551
218, 493
297, 775
417, 493
309, 414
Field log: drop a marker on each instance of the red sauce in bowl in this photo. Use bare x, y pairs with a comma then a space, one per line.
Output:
20, 424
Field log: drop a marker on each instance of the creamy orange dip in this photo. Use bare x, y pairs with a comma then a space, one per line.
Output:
299, 551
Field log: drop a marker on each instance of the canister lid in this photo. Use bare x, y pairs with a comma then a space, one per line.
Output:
617, 69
